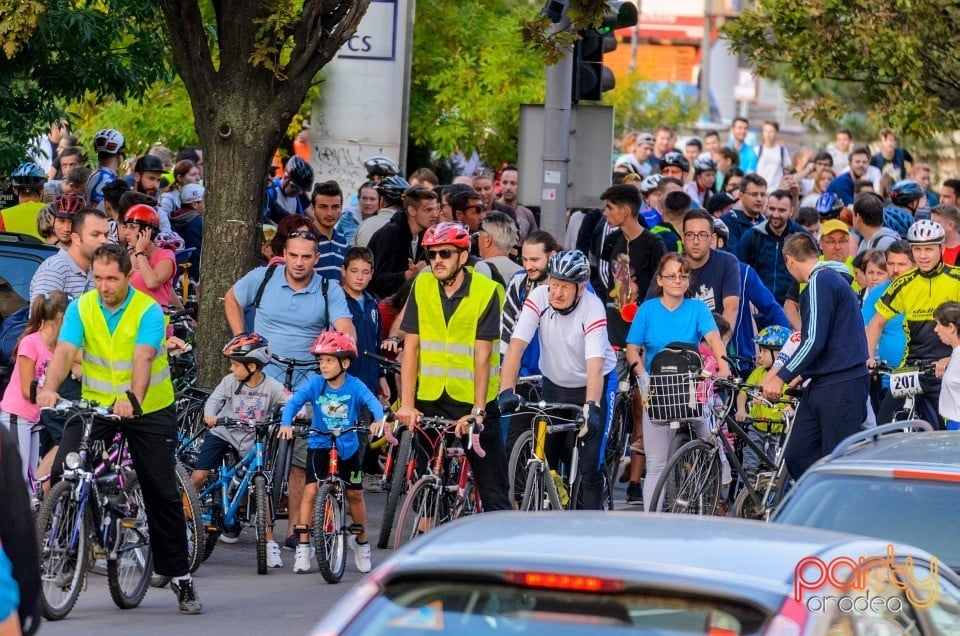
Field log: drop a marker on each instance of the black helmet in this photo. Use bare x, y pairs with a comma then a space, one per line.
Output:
148, 163
392, 189
301, 174
381, 166
674, 158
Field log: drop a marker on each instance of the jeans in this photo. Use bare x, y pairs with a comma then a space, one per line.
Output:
152, 441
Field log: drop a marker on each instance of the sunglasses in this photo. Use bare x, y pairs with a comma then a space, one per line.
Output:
304, 234
444, 254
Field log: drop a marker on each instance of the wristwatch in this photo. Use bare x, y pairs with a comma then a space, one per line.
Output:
478, 411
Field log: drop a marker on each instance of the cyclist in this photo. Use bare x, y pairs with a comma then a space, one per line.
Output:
575, 356
27, 181
121, 332
63, 211
337, 398
288, 193
153, 268
452, 327
916, 294
108, 144
704, 179
905, 199
391, 191
244, 394
675, 166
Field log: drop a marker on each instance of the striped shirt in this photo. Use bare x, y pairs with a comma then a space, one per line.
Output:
60, 273
332, 251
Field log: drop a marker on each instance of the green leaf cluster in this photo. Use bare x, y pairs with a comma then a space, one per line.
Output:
639, 106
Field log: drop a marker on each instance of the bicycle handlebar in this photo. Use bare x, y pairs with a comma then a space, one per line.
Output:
231, 422
390, 365
927, 368
305, 430
292, 363
82, 407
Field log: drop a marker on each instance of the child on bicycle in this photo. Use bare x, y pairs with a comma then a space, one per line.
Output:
245, 394
767, 423
336, 398
31, 355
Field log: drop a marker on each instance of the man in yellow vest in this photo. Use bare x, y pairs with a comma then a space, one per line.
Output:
27, 181
452, 331
121, 332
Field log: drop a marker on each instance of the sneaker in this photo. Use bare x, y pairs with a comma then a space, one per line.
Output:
291, 542
372, 483
186, 596
230, 535
301, 564
361, 554
634, 494
273, 555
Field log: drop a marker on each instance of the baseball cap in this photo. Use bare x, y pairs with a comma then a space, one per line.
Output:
645, 138
148, 163
834, 225
191, 193
719, 201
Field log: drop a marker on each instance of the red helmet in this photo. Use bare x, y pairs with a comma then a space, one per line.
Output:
248, 347
447, 233
66, 206
335, 343
143, 214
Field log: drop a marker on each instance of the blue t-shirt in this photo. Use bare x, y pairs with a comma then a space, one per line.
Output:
655, 326
332, 251
290, 320
719, 278
893, 340
9, 590
334, 408
151, 332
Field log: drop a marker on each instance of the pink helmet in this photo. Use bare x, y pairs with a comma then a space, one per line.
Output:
447, 233
335, 343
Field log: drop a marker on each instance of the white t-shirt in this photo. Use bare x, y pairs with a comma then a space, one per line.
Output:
566, 341
771, 163
950, 388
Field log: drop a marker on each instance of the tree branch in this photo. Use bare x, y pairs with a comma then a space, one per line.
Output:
331, 23
188, 43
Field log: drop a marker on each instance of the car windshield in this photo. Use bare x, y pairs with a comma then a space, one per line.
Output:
908, 511
462, 608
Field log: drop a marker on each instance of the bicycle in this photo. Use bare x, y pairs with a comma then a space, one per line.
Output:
447, 491
620, 427
905, 382
691, 481
281, 450
229, 487
92, 512
329, 532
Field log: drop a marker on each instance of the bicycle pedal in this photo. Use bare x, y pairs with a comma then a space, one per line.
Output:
129, 524
355, 528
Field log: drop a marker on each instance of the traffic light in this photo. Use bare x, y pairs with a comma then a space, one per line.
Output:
590, 77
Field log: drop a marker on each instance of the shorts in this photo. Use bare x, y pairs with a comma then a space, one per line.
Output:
211, 452
350, 469
299, 458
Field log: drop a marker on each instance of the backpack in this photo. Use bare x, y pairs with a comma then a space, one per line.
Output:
673, 386
271, 270
10, 331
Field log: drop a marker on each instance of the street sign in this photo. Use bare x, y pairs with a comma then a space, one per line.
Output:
745, 90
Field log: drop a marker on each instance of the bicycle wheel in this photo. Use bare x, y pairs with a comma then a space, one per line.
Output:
260, 520
690, 482
62, 535
679, 440
397, 486
193, 518
279, 471
422, 511
329, 540
128, 575
520, 454
621, 424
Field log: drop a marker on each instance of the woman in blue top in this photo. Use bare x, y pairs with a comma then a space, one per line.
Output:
669, 317
336, 398
9, 597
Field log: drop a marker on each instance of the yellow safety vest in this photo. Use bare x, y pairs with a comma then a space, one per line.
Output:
22, 218
446, 349
108, 359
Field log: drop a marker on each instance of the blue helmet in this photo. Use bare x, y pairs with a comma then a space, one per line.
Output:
897, 219
772, 337
906, 192
829, 206
28, 175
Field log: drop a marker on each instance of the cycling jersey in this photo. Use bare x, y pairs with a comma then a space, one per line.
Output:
917, 295
95, 184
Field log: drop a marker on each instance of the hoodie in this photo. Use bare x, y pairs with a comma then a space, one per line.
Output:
763, 250
737, 223
391, 246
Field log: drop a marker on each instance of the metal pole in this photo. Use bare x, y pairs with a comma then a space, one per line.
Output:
705, 56
556, 141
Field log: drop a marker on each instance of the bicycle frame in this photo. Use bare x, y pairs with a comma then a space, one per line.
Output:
253, 464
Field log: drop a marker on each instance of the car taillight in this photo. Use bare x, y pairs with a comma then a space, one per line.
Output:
789, 621
926, 475
568, 582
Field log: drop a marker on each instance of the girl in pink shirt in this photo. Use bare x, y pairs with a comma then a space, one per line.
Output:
33, 352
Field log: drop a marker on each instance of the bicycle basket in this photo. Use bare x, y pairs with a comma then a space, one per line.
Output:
672, 397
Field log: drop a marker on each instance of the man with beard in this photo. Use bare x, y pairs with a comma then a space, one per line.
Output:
327, 202
843, 185
509, 191
450, 366
762, 245
753, 196
146, 180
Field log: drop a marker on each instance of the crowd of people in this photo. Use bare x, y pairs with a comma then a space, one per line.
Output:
720, 246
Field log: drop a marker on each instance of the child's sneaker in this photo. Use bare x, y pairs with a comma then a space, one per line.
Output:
301, 564
361, 554
273, 555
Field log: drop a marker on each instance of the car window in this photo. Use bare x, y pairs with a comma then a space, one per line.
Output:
461, 608
941, 601
18, 270
901, 510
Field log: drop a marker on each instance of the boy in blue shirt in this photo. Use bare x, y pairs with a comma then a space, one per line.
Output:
336, 398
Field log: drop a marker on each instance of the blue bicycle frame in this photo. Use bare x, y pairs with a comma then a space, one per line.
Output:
252, 464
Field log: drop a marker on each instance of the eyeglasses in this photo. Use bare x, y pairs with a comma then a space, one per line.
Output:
836, 242
444, 254
304, 234
758, 195
480, 207
697, 236
675, 278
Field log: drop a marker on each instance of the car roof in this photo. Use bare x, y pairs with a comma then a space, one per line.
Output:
710, 555
935, 450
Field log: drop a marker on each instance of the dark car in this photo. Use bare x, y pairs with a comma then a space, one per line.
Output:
886, 483
594, 573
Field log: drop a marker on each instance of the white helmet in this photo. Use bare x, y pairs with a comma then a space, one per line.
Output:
926, 231
649, 184
109, 141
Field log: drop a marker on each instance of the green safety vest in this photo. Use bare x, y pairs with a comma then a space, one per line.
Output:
446, 349
108, 359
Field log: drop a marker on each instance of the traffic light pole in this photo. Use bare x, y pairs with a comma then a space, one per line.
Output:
556, 142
